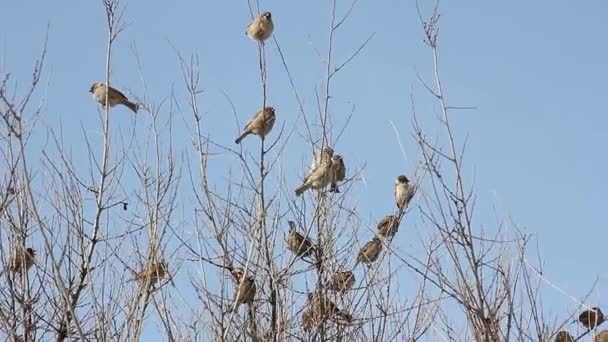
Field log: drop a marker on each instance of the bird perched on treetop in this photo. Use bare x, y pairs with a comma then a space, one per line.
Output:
341, 281
563, 336
297, 243
152, 272
115, 97
322, 157
245, 292
388, 226
370, 251
260, 124
323, 307
404, 192
22, 260
337, 172
261, 27
591, 318
318, 178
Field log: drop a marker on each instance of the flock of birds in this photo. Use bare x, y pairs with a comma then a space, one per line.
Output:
327, 169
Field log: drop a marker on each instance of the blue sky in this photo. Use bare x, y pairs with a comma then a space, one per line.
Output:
536, 72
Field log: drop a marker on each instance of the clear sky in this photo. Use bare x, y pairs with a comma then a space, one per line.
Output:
536, 71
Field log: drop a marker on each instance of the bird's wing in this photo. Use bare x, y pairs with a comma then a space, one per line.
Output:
116, 94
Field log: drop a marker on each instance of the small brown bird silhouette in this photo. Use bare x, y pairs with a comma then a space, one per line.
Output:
388, 226
299, 244
261, 27
22, 260
403, 192
115, 97
323, 307
260, 124
370, 251
152, 272
245, 292
341, 281
337, 172
317, 179
601, 337
563, 336
591, 318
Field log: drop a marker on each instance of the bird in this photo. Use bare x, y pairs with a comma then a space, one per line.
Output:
323, 308
404, 192
564, 336
115, 97
152, 273
370, 251
342, 281
261, 27
337, 172
318, 178
601, 337
22, 260
388, 226
245, 292
591, 318
260, 124
322, 157
299, 244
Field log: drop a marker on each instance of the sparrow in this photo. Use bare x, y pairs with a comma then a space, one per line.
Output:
341, 281
322, 307
22, 261
403, 192
564, 336
370, 251
601, 337
245, 292
337, 172
591, 318
261, 27
388, 226
152, 273
322, 157
115, 97
299, 244
260, 124
318, 178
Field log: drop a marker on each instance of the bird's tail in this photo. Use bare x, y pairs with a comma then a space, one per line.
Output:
300, 190
132, 106
241, 137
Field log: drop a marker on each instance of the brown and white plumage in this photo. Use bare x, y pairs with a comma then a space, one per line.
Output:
152, 272
370, 251
260, 124
316, 180
22, 260
564, 336
115, 97
322, 307
591, 318
322, 157
337, 172
404, 192
261, 27
342, 281
602, 336
245, 291
299, 244
388, 226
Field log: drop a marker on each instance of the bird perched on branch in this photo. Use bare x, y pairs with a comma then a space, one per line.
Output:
299, 244
245, 291
404, 192
337, 172
152, 272
591, 318
320, 308
564, 336
342, 281
370, 251
115, 97
22, 260
319, 175
601, 337
260, 124
388, 226
261, 27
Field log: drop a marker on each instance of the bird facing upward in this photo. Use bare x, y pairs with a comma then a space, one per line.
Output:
115, 97
337, 172
260, 124
261, 27
297, 243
